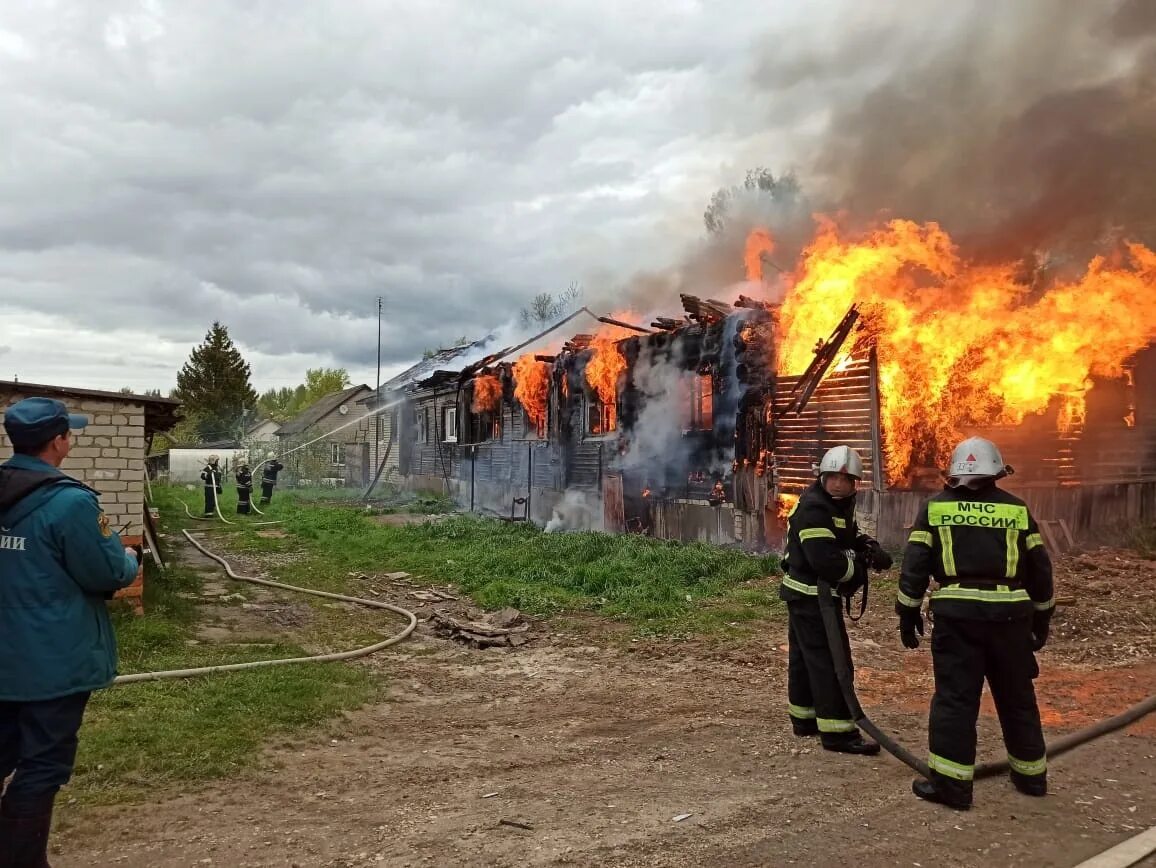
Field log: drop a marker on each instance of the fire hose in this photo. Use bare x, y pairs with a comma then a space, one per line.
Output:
829, 607
259, 664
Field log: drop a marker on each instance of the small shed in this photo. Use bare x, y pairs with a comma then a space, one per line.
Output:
108, 455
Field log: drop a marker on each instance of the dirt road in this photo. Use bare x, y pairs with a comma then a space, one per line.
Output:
626, 753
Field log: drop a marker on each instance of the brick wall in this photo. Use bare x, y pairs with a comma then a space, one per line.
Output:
107, 455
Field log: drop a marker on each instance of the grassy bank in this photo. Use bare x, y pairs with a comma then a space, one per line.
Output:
656, 586
141, 738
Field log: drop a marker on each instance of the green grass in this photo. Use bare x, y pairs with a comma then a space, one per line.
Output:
1143, 540
656, 586
141, 738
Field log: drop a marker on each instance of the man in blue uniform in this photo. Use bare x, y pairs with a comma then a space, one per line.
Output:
992, 611
59, 561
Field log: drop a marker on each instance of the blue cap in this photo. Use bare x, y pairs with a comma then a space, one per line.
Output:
37, 420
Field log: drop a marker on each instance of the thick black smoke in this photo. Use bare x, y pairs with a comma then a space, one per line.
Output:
1023, 128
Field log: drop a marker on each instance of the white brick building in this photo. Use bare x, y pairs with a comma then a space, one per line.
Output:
109, 454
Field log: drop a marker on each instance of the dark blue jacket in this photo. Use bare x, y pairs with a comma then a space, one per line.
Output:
59, 559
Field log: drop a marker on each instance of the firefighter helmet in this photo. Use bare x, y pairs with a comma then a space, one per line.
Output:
213, 459
842, 459
975, 459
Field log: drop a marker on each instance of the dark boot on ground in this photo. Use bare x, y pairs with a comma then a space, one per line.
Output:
24, 842
856, 745
804, 728
1031, 785
953, 797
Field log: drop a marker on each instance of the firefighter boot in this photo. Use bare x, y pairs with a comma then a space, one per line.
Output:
854, 745
955, 794
1031, 785
24, 842
804, 728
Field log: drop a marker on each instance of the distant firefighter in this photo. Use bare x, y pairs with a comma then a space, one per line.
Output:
211, 475
269, 478
244, 478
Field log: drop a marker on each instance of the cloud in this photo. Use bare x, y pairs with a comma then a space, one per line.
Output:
278, 167
1019, 126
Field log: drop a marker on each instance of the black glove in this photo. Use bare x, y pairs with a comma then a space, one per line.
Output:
910, 623
1041, 625
873, 555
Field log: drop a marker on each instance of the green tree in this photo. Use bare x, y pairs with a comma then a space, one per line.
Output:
760, 182
320, 382
214, 386
284, 403
184, 433
545, 307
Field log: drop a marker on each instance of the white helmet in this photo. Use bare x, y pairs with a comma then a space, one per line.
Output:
842, 459
213, 459
974, 459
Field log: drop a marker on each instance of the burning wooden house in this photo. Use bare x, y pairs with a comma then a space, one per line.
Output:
708, 425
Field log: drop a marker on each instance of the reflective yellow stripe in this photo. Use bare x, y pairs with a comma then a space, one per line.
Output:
1033, 540
828, 724
923, 537
1043, 607
910, 602
999, 594
970, 513
1013, 553
816, 533
950, 769
1025, 767
948, 551
803, 587
839, 522
801, 712
850, 570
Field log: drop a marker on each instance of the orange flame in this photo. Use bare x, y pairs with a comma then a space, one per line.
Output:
963, 345
785, 503
487, 393
606, 365
759, 242
532, 387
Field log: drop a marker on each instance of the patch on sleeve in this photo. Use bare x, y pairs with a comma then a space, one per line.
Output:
105, 529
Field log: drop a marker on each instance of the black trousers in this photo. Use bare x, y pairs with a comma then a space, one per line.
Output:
812, 686
38, 742
267, 491
964, 652
243, 501
210, 500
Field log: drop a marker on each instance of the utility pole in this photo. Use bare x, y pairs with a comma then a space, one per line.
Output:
377, 392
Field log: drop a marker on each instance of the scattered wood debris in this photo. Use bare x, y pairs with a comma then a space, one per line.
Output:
504, 628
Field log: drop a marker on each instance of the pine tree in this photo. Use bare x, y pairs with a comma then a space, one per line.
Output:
214, 386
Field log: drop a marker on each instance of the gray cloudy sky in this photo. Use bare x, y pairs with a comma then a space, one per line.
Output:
277, 165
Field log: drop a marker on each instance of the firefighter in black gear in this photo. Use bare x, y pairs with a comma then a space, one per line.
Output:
992, 611
269, 478
211, 476
244, 477
824, 545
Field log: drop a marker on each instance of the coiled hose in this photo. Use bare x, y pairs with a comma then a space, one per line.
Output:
828, 606
259, 664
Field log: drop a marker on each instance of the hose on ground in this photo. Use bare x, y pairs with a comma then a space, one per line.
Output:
828, 606
189, 513
284, 661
